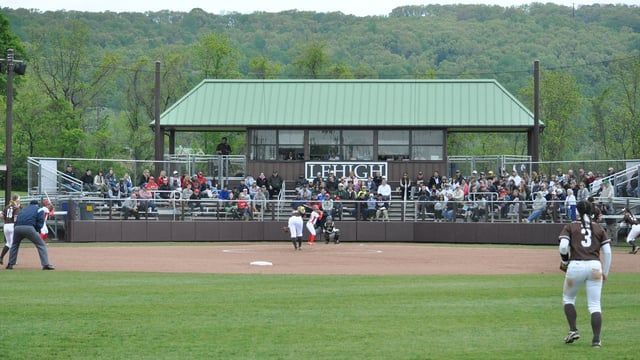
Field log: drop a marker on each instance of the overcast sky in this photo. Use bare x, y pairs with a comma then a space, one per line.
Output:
355, 7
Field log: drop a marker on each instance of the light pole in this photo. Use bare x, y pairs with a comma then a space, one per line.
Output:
19, 68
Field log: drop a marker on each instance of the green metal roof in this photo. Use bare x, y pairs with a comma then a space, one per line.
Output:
342, 103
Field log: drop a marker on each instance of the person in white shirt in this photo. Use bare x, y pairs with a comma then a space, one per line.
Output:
385, 189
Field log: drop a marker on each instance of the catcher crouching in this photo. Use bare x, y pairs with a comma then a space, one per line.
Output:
331, 232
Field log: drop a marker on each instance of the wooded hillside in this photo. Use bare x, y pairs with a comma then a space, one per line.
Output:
92, 73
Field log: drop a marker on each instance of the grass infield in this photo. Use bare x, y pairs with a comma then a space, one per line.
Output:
87, 315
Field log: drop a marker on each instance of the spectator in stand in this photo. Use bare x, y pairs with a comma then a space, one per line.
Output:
224, 193
223, 148
249, 180
202, 181
589, 179
370, 184
146, 200
371, 207
262, 180
298, 201
405, 187
165, 191
417, 183
184, 180
111, 177
606, 197
275, 184
87, 182
384, 189
130, 207
611, 176
382, 208
174, 180
242, 186
259, 202
318, 180
331, 184
69, 180
424, 201
114, 195
449, 211
100, 183
439, 207
435, 180
327, 204
570, 205
254, 189
343, 193
581, 177
457, 178
127, 184
539, 207
305, 192
569, 176
144, 178
151, 184
559, 177
243, 206
187, 192
209, 193
338, 207
377, 180
583, 193
195, 201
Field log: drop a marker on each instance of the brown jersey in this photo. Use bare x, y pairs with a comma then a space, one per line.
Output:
585, 244
10, 213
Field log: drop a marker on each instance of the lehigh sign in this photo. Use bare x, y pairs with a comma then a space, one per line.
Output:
361, 170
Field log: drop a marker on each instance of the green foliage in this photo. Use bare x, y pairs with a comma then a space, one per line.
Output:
105, 61
144, 315
560, 102
312, 61
262, 68
215, 57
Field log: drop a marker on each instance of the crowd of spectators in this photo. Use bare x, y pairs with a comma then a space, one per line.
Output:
529, 197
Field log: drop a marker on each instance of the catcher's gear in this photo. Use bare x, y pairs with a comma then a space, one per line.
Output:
285, 229
564, 266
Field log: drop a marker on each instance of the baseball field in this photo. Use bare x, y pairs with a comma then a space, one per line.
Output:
347, 301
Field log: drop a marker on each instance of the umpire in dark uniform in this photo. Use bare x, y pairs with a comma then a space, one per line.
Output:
28, 225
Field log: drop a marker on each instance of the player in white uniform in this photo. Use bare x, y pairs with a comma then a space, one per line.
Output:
295, 229
316, 215
581, 243
634, 232
10, 214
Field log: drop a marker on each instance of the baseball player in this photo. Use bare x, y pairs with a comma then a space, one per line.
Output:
315, 216
331, 232
295, 229
580, 246
10, 214
634, 231
47, 210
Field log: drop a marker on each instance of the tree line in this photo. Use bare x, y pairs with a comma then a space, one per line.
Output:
88, 91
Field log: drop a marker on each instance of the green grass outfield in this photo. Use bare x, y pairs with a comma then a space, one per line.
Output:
90, 315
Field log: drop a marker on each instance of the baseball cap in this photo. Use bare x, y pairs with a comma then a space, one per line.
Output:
175, 172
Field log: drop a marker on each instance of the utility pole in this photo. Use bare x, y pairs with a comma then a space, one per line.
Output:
159, 136
19, 68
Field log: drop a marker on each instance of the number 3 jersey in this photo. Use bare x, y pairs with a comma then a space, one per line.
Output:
586, 242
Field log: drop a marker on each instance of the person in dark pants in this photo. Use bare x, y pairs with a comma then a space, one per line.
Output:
28, 225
